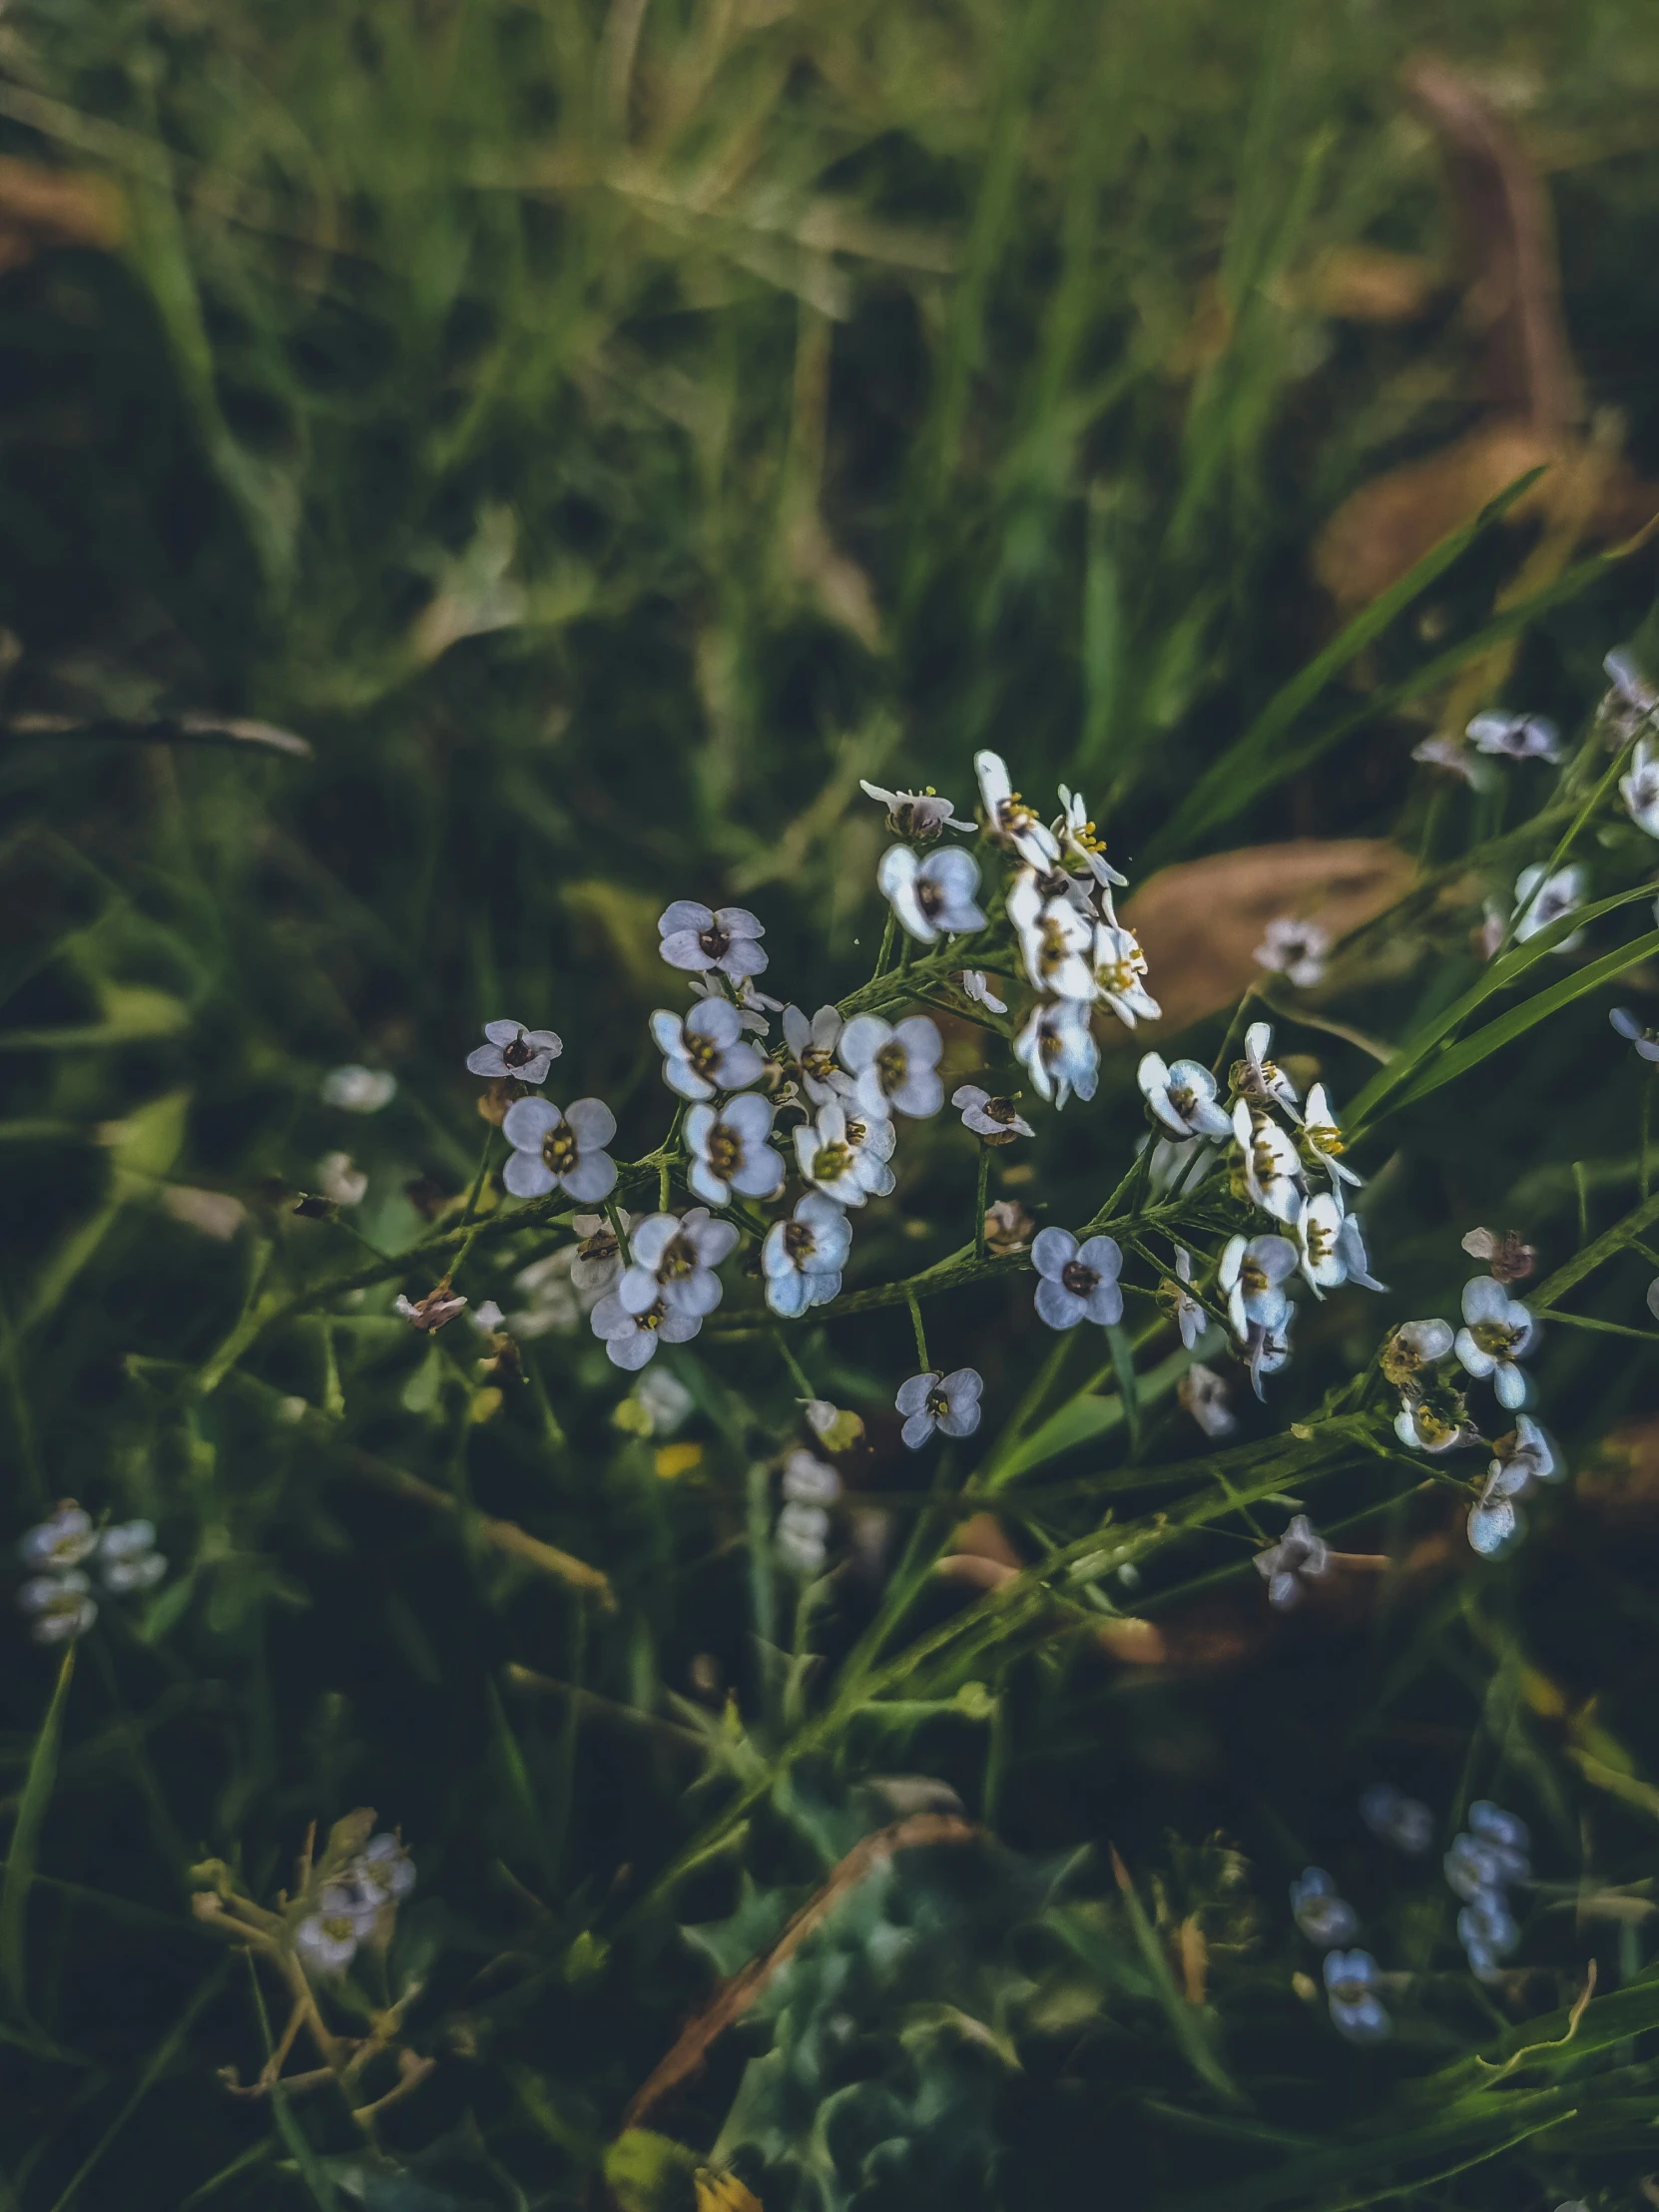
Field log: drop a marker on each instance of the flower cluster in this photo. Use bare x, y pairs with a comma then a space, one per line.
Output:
809, 1486
1485, 1861
58, 1594
356, 1906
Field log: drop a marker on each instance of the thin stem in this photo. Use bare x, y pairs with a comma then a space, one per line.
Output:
885, 953
613, 1214
979, 1202
793, 1363
477, 1190
1569, 835
925, 1365
1647, 1108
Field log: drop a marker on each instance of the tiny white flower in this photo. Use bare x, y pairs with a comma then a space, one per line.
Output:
1520, 1459
62, 1605
1416, 1345
665, 1399
1541, 898
1190, 1317
897, 1067
674, 1259
1515, 737
1645, 1040
1081, 843
630, 1340
1356, 2011
808, 1480
487, 1319
1433, 1419
1632, 687
1454, 756
918, 816
1055, 940
358, 1090
976, 988
559, 1150
947, 1402
1057, 1049
1078, 1282
1322, 1141
702, 937
1272, 1165
1119, 966
382, 1872
706, 1051
1498, 1330
326, 1941
58, 1542
803, 1531
1640, 788
802, 1259
1250, 1276
341, 1180
1178, 1164
729, 1152
1295, 949
1405, 1822
753, 1006
433, 1312
128, 1558
1268, 1347
833, 1426
1350, 1250
1301, 1555
1319, 1228
841, 1169
1008, 819
512, 1050
933, 898
1320, 1914
813, 1048
1259, 1079
1183, 1097
1203, 1394
994, 1119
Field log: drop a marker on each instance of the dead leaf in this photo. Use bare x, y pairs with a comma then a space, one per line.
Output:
1362, 283
1198, 968
42, 207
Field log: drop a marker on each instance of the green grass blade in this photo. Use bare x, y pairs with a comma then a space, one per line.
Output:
20, 1858
1187, 2022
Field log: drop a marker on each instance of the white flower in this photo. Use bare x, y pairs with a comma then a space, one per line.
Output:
1190, 1317
327, 1939
802, 1259
801, 1534
1272, 1166
1497, 1331
1295, 949
1079, 1282
487, 1319
1259, 1079
994, 1119
1633, 688
1058, 1050
59, 1541
128, 1558
1183, 1097
1322, 1141
674, 1259
358, 1090
665, 1399
1178, 1163
1350, 1250
1515, 736
808, 1480
1080, 840
729, 1151
947, 1402
1451, 753
834, 1427
1356, 2011
813, 1047
433, 1312
1433, 1419
702, 937
706, 1051
1405, 1822
1520, 1459
918, 816
1009, 820
340, 1181
1541, 898
976, 988
1645, 1040
523, 1054
1640, 788
1319, 1228
1203, 1394
842, 1170
752, 1005
382, 1871
1268, 1347
1413, 1346
62, 1605
630, 1340
896, 1068
1249, 1278
933, 898
1320, 1914
1301, 1555
1119, 966
1055, 940
554, 1149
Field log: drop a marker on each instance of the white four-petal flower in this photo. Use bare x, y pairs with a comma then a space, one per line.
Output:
835, 1164
1497, 1331
729, 1152
897, 1067
933, 898
1077, 1282
512, 1050
1009, 820
947, 1402
674, 1259
559, 1150
802, 1259
1183, 1097
813, 1047
1057, 1049
702, 937
706, 1051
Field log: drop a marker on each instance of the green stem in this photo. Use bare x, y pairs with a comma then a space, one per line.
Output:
477, 1190
613, 1214
923, 1362
793, 1365
980, 1202
885, 953
1569, 835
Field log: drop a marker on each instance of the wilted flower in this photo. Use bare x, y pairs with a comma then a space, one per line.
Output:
1119, 966
326, 1941
752, 1005
846, 1170
1249, 1278
523, 1055
433, 1312
630, 1340
340, 1181
358, 1090
933, 898
1295, 949
1644, 1039
1640, 788
976, 987
554, 1149
674, 1259
62, 1605
1301, 1554
835, 1426
1009, 820
702, 937
1205, 1394
802, 1259
1259, 1079
1081, 843
1321, 1140
1432, 1417
1079, 1282
1058, 1050
1405, 1822
1008, 1227
1541, 898
1350, 1986
1416, 1345
1515, 737
706, 1051
729, 1152
1322, 1917
1272, 1165
895, 1067
58, 1542
947, 1402
1497, 1331
1183, 1096
918, 816
813, 1048
994, 1119
1056, 942
128, 1558
1509, 1259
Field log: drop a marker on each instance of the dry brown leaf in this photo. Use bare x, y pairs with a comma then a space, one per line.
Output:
1362, 283
41, 208
1201, 921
